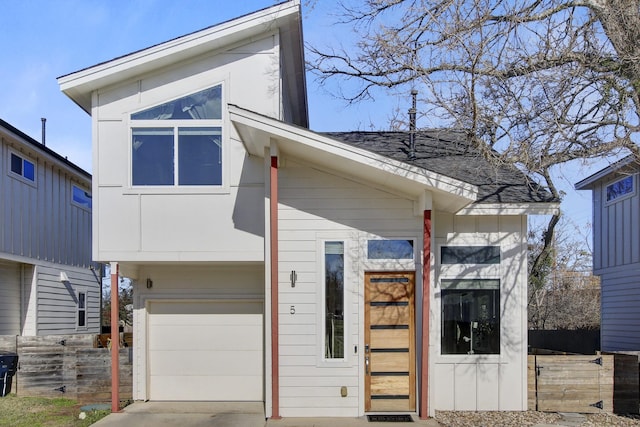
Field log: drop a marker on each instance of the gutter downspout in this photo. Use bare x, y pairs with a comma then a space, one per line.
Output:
275, 362
426, 292
115, 341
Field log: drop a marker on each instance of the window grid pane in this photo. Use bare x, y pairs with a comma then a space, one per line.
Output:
199, 156
334, 300
152, 156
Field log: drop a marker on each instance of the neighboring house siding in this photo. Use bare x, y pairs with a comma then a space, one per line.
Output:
9, 298
483, 382
616, 228
620, 317
616, 259
57, 300
219, 224
38, 219
316, 206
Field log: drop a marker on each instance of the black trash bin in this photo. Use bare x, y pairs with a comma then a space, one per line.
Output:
8, 368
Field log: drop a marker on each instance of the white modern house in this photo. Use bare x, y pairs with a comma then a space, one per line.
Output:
616, 252
46, 284
324, 274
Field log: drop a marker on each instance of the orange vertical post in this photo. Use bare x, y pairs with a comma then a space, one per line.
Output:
275, 341
426, 292
115, 341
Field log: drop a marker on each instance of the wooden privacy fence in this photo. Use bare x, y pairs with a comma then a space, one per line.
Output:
66, 366
587, 384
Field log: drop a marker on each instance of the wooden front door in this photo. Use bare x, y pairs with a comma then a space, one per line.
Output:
390, 361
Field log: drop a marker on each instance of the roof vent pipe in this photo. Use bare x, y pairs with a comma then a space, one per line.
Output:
412, 125
44, 130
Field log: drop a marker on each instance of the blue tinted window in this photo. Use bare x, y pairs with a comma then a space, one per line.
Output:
620, 188
390, 249
23, 167
470, 254
200, 156
81, 197
29, 170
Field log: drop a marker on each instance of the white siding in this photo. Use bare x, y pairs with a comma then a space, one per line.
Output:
483, 382
178, 224
317, 205
184, 283
57, 301
39, 220
9, 298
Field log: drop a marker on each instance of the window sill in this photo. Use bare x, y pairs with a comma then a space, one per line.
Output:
176, 190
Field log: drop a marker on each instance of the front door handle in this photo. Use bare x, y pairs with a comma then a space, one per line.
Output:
366, 365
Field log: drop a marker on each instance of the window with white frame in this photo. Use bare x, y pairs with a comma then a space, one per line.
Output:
179, 143
22, 167
620, 189
81, 197
82, 309
334, 300
390, 249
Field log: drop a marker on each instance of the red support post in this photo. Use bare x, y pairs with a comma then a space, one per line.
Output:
426, 292
115, 341
275, 342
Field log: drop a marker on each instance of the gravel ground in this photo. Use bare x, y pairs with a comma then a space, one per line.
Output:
528, 418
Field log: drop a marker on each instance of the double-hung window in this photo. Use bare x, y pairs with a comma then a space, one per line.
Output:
179, 143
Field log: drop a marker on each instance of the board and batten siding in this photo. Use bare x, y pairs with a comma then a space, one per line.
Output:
616, 259
316, 206
483, 382
616, 228
57, 300
39, 220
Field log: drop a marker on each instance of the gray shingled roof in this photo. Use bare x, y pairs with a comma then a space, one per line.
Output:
449, 153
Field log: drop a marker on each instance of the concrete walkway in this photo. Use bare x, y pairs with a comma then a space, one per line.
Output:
226, 414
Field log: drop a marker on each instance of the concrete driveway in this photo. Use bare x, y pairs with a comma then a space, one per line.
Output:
187, 414
225, 414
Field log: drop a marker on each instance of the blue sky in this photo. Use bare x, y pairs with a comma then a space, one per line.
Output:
45, 39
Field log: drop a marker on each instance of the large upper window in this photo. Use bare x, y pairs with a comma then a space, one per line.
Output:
334, 300
179, 142
471, 316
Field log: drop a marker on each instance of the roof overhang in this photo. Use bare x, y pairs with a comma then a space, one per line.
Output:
258, 132
550, 208
587, 183
285, 17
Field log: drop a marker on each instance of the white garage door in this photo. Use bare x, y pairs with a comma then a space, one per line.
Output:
206, 350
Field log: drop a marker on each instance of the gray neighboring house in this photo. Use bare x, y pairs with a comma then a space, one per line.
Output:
47, 285
616, 252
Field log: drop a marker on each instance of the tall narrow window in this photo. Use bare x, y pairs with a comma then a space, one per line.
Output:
82, 309
334, 300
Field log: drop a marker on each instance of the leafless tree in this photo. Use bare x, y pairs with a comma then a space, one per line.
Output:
536, 83
564, 294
